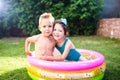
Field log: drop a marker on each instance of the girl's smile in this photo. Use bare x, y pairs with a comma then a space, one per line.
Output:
58, 32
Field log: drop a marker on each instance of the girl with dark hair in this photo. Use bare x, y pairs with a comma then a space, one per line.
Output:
64, 44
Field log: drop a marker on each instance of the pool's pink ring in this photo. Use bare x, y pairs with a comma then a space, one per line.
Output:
69, 66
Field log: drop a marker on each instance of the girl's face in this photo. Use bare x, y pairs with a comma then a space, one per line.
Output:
46, 27
58, 32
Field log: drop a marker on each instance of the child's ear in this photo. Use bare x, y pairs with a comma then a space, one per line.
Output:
39, 28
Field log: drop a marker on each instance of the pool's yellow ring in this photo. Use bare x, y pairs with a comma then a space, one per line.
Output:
99, 77
39, 72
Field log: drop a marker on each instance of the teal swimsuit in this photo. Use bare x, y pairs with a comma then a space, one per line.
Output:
73, 54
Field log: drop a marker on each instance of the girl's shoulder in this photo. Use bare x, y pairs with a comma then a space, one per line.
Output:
69, 43
67, 39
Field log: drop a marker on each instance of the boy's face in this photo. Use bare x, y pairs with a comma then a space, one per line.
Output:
46, 27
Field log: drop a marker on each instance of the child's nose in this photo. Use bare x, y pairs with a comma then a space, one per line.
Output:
47, 28
57, 32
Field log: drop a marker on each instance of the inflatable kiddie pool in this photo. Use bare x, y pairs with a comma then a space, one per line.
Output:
92, 69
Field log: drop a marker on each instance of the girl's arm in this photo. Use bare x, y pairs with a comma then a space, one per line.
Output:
58, 58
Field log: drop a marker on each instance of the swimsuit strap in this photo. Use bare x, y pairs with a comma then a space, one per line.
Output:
61, 48
66, 39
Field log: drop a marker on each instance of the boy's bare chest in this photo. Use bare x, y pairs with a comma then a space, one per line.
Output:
44, 43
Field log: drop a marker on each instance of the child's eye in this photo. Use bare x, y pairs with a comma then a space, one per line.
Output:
60, 30
49, 26
54, 29
44, 26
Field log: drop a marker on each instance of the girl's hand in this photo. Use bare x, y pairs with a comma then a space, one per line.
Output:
46, 58
43, 57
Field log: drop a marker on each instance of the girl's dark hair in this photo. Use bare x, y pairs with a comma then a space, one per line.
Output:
65, 27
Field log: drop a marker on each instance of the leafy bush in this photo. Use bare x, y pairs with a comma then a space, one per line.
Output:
82, 15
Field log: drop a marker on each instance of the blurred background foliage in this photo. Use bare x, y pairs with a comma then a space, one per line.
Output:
20, 17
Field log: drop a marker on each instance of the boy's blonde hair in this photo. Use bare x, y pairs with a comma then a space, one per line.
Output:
46, 15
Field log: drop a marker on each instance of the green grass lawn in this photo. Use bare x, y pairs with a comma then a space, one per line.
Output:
13, 57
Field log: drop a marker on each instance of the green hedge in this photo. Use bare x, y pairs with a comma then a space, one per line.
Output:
82, 15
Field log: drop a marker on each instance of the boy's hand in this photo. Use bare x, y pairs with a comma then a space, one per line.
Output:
29, 53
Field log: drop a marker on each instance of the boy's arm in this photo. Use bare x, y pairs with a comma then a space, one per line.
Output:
27, 46
28, 41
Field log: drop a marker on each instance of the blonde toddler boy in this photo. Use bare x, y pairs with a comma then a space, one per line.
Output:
44, 42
